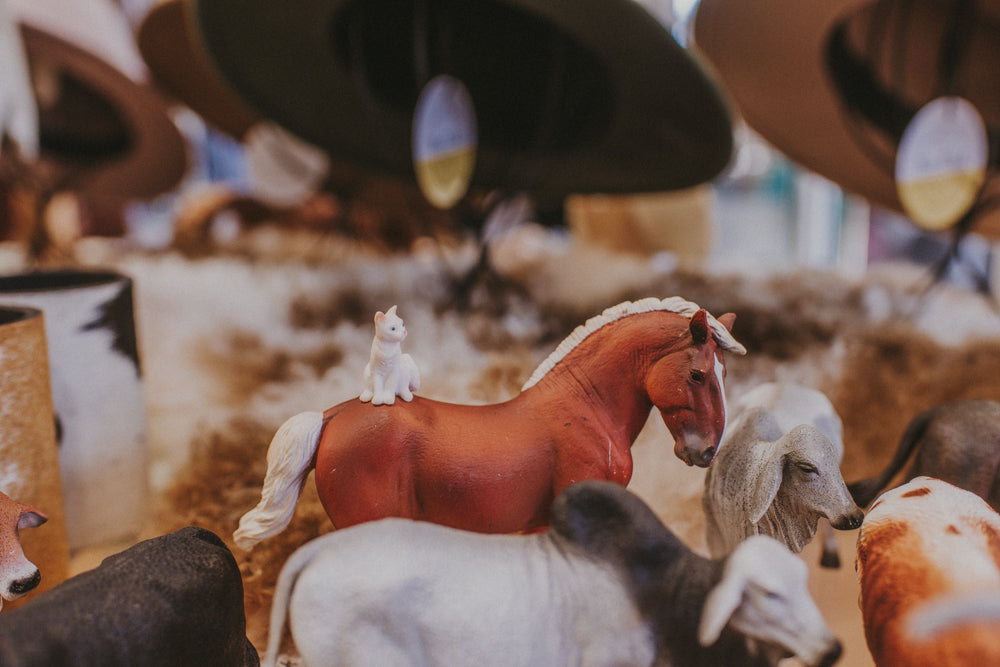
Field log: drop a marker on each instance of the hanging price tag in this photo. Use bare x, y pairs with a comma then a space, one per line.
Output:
444, 141
941, 162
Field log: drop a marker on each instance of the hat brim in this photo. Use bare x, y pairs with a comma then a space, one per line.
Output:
778, 63
150, 160
180, 67
595, 96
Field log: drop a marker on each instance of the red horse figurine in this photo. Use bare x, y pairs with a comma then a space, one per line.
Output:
497, 468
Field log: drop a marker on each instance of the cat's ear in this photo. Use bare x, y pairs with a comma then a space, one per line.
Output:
392, 311
379, 316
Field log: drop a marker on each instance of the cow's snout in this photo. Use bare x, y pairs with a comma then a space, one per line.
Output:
24, 585
849, 521
831, 656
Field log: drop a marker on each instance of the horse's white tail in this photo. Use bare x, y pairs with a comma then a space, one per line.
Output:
289, 459
290, 572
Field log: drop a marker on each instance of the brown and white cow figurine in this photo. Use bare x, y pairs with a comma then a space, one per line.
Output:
18, 575
923, 543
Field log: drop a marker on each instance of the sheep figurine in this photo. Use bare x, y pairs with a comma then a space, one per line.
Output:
608, 584
923, 546
777, 476
957, 442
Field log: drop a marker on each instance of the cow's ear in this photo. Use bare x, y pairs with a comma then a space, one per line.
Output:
611, 523
765, 487
30, 517
720, 604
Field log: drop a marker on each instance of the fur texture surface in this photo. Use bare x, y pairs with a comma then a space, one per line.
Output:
235, 343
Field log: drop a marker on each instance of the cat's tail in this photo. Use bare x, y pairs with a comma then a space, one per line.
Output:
289, 460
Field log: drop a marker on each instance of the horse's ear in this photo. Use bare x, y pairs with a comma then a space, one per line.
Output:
728, 320
699, 327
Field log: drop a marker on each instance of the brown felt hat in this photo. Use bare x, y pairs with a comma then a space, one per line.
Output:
833, 83
100, 121
589, 96
181, 68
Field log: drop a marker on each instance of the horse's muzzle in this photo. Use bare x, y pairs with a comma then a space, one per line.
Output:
693, 454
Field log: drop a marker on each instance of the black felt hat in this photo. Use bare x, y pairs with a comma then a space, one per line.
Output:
581, 96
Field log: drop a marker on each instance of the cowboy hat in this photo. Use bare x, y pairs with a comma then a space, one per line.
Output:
107, 131
589, 96
833, 84
180, 67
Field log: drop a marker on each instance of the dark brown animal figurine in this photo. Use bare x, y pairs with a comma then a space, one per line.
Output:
958, 442
172, 600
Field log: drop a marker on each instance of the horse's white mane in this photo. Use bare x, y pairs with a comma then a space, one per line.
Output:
674, 304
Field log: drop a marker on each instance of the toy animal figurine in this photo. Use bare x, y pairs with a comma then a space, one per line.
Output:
778, 472
607, 585
176, 599
497, 468
958, 442
18, 576
935, 619
389, 372
922, 543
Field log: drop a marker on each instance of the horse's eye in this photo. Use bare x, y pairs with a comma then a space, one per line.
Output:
697, 375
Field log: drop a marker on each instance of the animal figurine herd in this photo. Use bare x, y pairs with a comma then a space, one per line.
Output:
498, 468
609, 584
504, 534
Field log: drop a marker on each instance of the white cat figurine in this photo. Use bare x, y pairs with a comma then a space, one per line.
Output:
389, 372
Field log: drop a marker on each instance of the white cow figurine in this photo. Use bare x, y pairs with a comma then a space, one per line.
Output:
18, 575
777, 472
608, 584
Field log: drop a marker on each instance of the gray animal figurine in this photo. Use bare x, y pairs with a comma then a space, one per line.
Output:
777, 476
168, 601
958, 442
608, 584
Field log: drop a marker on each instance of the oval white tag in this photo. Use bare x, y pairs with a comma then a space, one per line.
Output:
444, 141
941, 162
